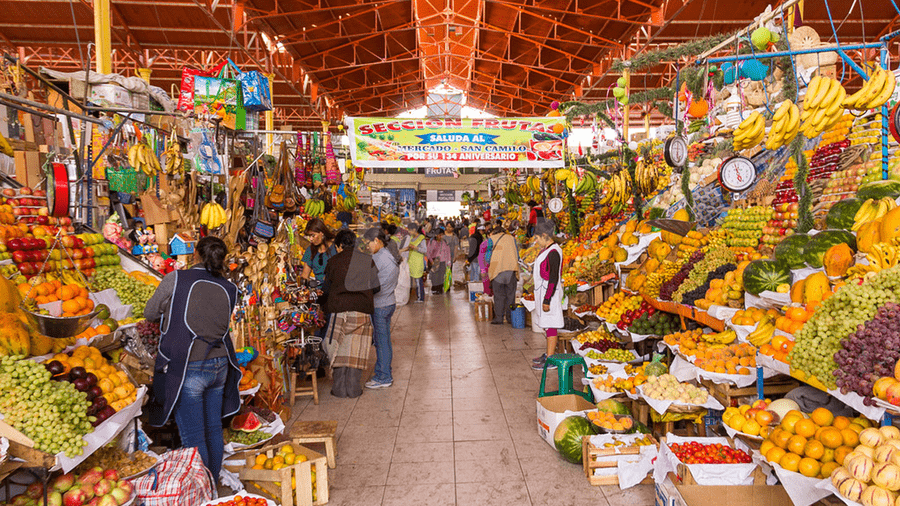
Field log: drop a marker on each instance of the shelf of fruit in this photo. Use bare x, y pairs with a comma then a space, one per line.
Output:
95, 486
625, 382
662, 392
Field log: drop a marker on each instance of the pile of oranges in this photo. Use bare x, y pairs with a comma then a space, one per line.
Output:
75, 300
813, 446
753, 316
778, 348
793, 319
610, 421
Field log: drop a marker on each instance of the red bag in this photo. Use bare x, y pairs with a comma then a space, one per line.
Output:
180, 480
186, 98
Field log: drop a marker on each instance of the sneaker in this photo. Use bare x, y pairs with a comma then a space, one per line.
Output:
539, 366
542, 358
372, 384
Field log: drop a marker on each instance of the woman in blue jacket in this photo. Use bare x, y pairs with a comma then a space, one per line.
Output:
196, 373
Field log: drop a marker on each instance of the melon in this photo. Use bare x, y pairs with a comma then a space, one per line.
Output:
246, 422
782, 406
790, 250
878, 189
567, 437
612, 406
842, 214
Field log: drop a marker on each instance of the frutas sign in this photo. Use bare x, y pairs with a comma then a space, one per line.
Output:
494, 142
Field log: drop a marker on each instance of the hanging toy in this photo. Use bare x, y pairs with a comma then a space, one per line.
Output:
754, 70
554, 109
620, 92
729, 73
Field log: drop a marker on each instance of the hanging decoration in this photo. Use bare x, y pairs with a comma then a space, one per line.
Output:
654, 58
805, 218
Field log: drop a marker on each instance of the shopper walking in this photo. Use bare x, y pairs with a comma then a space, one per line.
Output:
439, 254
385, 304
536, 213
548, 290
351, 280
196, 373
503, 272
475, 239
417, 249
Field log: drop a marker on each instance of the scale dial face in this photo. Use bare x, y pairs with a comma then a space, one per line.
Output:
737, 173
555, 205
676, 152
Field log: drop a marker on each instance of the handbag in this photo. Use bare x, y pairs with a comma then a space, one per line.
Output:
220, 96
262, 228
255, 89
188, 76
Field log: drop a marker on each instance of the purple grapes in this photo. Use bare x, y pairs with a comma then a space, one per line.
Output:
869, 353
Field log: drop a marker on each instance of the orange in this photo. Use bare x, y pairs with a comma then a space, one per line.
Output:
82, 292
827, 456
841, 422
814, 449
805, 428
781, 438
790, 462
822, 417
828, 468
855, 427
775, 455
66, 292
76, 362
52, 298
41, 299
797, 444
809, 467
71, 306
850, 437
766, 446
840, 452
42, 289
790, 420
831, 437
103, 329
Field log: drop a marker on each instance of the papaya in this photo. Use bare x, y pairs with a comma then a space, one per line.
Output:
651, 265
837, 260
868, 234
890, 225
40, 344
10, 298
682, 215
798, 290
817, 288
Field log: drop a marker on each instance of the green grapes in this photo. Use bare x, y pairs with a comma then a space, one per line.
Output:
129, 290
52, 413
838, 317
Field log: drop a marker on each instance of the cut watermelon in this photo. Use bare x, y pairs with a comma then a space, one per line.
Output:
247, 422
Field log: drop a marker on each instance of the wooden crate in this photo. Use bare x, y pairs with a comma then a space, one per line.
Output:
728, 394
264, 480
591, 453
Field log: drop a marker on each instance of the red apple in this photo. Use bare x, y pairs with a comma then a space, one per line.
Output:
25, 190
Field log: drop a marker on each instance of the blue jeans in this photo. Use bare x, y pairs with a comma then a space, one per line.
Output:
474, 271
381, 320
420, 287
199, 410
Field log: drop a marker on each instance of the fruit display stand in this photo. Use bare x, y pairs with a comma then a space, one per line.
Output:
728, 394
690, 312
277, 484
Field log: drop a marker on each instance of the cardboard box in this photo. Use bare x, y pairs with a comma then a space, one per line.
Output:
668, 495
110, 95
750, 495
553, 410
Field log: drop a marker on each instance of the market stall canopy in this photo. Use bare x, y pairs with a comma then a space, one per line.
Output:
365, 57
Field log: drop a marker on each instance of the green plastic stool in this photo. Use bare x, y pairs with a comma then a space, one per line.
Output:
564, 363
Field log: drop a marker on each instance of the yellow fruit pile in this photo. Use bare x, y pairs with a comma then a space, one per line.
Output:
612, 309
813, 445
285, 457
609, 421
115, 384
870, 474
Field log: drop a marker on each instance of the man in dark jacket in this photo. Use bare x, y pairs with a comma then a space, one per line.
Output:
472, 255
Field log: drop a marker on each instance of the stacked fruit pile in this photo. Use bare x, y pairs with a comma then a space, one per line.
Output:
782, 224
614, 307
745, 226
108, 389
130, 290
651, 322
94, 487
699, 453
667, 388
635, 378
757, 419
870, 474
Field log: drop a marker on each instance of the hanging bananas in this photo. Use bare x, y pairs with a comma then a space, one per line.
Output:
174, 156
750, 132
646, 177
587, 185
213, 215
877, 90
142, 157
617, 190
785, 125
314, 208
822, 106
5, 147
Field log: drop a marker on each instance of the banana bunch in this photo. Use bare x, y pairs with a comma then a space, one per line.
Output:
534, 183
872, 210
5, 147
141, 156
823, 105
877, 90
725, 337
750, 132
618, 190
350, 201
568, 177
646, 177
883, 256
213, 215
785, 125
174, 156
587, 185
763, 333
314, 208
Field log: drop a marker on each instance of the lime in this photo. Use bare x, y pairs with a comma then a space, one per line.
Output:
103, 313
111, 322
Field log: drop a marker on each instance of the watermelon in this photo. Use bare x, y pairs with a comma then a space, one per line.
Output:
612, 406
878, 189
762, 275
815, 249
790, 250
842, 213
655, 213
567, 437
247, 422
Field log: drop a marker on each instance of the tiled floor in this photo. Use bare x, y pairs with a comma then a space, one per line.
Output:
458, 425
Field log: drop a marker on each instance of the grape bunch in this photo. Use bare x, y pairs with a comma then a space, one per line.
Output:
656, 278
869, 353
671, 286
690, 297
837, 317
614, 355
245, 438
603, 345
715, 257
52, 413
129, 290
148, 332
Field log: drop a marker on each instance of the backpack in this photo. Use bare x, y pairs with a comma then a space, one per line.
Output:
489, 250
